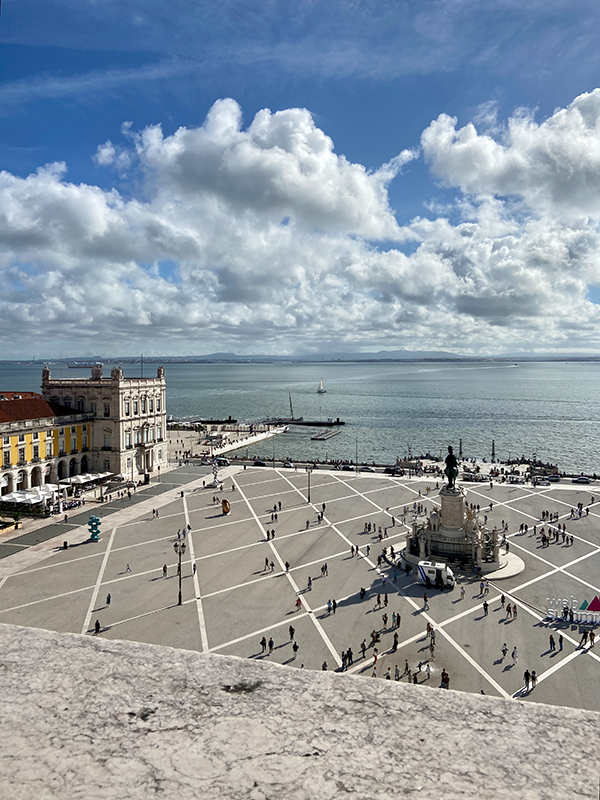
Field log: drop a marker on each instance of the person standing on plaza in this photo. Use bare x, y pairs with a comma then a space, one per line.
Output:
309, 584
266, 562
514, 611
108, 599
363, 647
97, 627
329, 606
533, 679
164, 570
515, 656
560, 642
592, 639
292, 632
425, 602
263, 644
295, 648
552, 644
504, 650
485, 608
334, 605
271, 645
526, 678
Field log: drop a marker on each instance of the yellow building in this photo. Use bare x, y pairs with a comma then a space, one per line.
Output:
42, 442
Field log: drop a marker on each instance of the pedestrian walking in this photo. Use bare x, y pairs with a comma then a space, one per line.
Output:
309, 584
502, 601
379, 601
584, 638
263, 644
108, 599
271, 645
384, 618
363, 647
334, 605
266, 562
298, 604
560, 642
485, 608
526, 678
97, 627
292, 631
164, 570
432, 651
287, 566
514, 611
515, 656
592, 639
329, 606
272, 565
385, 598
552, 643
533, 679
425, 602
504, 650
295, 648
127, 568
194, 568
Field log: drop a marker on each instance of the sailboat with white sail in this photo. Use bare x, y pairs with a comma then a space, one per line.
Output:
321, 389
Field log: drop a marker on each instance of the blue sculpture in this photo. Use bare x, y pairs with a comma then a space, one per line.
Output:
94, 528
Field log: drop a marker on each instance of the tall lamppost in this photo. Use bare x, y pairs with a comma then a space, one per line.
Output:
308, 471
179, 548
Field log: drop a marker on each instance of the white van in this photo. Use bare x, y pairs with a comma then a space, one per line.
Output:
436, 572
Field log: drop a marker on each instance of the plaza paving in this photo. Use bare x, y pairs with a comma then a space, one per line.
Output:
232, 601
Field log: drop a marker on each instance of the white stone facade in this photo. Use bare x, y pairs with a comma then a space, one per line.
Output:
129, 427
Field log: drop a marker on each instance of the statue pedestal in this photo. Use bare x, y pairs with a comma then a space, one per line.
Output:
453, 510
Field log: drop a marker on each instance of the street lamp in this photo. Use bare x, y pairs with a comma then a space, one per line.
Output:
179, 548
308, 471
159, 473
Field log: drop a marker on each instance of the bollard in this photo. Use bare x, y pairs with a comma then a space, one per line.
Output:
182, 492
65, 545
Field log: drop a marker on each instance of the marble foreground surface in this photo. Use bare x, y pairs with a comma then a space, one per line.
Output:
86, 718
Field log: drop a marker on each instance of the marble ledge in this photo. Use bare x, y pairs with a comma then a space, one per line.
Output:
83, 717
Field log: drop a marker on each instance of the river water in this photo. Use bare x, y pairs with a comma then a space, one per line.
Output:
551, 409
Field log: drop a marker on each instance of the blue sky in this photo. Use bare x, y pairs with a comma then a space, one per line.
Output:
290, 178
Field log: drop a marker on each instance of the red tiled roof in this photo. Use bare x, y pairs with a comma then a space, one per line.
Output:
31, 408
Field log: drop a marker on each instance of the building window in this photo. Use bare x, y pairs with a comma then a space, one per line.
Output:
151, 435
61, 432
80, 405
6, 439
107, 409
61, 447
127, 409
160, 455
144, 406
107, 440
84, 443
21, 455
73, 430
93, 408
159, 433
136, 437
135, 407
158, 403
21, 437
7, 458
145, 434
36, 451
151, 406
127, 440
36, 436
106, 465
48, 449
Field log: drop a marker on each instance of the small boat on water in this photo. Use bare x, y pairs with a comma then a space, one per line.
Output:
322, 437
321, 389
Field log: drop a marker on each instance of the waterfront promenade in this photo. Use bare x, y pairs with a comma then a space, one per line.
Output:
231, 601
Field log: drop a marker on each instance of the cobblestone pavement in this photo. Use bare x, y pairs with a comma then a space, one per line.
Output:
232, 600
